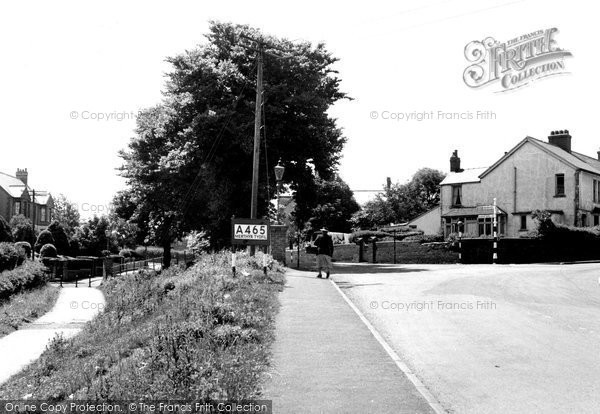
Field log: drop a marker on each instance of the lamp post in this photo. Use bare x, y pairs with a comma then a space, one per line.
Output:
279, 170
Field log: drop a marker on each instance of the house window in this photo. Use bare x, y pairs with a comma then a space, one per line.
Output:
523, 222
457, 195
596, 191
17, 207
596, 220
485, 226
584, 220
43, 217
560, 185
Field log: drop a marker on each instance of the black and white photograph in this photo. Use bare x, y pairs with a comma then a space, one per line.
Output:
311, 207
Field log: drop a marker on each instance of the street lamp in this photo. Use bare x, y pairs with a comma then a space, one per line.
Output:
279, 170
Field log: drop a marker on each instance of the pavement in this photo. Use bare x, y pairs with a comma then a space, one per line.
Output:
326, 360
489, 338
73, 309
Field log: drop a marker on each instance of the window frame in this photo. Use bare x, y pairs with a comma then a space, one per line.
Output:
557, 193
456, 190
523, 222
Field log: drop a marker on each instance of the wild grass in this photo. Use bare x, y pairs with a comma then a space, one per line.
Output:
196, 334
25, 307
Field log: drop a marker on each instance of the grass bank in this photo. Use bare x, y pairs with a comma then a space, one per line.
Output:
25, 307
198, 333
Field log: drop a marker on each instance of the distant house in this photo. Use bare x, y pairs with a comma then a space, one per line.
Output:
16, 197
428, 222
533, 175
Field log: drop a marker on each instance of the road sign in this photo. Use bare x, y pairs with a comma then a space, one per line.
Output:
249, 232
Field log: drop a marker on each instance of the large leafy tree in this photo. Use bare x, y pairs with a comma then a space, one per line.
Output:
401, 202
189, 165
331, 206
66, 213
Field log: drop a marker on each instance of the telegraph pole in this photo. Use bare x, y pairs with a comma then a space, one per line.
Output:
257, 127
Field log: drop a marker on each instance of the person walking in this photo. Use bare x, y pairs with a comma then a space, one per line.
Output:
324, 244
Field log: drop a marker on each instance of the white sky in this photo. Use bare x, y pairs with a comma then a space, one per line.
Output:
401, 56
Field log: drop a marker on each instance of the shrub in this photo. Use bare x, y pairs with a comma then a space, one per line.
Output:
9, 256
74, 247
25, 246
61, 240
547, 229
423, 238
28, 276
48, 250
45, 237
367, 234
5, 233
22, 228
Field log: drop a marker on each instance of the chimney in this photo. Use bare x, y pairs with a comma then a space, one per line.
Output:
561, 139
389, 180
22, 175
455, 162
598, 155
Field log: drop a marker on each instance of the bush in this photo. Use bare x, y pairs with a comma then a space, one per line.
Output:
547, 229
48, 250
367, 234
25, 246
74, 247
45, 237
422, 238
61, 240
28, 276
5, 233
22, 228
9, 256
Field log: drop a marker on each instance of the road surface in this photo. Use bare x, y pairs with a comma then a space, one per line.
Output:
484, 338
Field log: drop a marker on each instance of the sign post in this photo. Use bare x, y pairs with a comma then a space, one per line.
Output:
250, 232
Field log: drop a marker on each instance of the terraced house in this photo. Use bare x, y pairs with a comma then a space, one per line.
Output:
16, 197
535, 174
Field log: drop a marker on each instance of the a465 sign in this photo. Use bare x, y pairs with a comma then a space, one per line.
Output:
250, 232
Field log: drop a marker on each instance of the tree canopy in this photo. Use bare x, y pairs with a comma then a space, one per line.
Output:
189, 166
402, 202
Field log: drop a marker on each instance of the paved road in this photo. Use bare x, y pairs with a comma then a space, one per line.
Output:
493, 339
74, 307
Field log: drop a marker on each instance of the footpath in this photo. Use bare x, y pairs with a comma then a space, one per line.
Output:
74, 307
326, 360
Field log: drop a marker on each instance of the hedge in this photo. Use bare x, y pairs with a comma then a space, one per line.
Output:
27, 276
11, 256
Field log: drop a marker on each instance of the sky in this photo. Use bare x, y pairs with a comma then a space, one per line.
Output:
65, 62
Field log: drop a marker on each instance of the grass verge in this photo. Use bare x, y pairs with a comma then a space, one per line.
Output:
26, 307
195, 334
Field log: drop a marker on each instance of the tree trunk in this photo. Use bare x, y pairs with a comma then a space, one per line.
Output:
166, 254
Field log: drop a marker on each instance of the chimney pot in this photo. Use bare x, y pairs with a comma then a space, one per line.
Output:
22, 175
561, 139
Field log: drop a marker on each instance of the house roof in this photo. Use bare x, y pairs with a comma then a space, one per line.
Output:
574, 159
470, 175
473, 211
17, 189
12, 185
